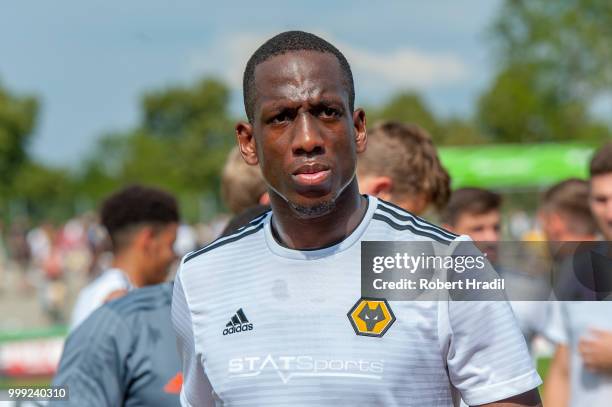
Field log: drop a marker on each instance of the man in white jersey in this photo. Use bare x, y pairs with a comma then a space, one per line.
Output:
476, 212
581, 371
142, 224
273, 316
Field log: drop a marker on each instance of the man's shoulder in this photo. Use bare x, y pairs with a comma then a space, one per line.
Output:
93, 294
404, 225
229, 245
116, 318
111, 279
143, 299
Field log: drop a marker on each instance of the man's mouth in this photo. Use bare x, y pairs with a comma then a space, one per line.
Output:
311, 174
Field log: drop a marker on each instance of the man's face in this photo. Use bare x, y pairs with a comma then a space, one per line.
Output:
601, 202
484, 227
304, 135
552, 225
160, 249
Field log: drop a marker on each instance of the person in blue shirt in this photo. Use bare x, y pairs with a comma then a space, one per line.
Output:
124, 354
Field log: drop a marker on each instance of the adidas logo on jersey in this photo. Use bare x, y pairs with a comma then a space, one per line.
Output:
238, 323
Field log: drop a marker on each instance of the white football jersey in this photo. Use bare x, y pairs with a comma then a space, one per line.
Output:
93, 295
259, 324
570, 321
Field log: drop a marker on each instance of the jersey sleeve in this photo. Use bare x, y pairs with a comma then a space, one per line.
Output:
92, 364
486, 353
196, 389
487, 357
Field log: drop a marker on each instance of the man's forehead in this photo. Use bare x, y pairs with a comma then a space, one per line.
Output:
479, 216
602, 183
299, 74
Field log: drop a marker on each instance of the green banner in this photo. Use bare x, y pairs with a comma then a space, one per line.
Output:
47, 332
515, 165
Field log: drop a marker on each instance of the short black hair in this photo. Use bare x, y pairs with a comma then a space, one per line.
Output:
601, 163
136, 206
473, 201
571, 199
281, 44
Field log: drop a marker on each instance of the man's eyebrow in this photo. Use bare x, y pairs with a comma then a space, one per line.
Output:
329, 100
278, 104
287, 103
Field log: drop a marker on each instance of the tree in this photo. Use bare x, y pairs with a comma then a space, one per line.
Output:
554, 61
177, 112
44, 192
17, 121
407, 107
459, 131
568, 40
181, 145
520, 108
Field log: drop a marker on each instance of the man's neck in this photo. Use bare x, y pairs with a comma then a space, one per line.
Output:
126, 262
295, 232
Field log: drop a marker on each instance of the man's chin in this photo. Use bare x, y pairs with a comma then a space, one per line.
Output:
313, 210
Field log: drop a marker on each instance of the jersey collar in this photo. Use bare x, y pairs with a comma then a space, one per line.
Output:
312, 254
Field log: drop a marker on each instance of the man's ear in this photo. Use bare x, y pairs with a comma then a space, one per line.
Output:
246, 142
557, 223
143, 238
264, 199
382, 187
379, 186
417, 203
448, 227
361, 135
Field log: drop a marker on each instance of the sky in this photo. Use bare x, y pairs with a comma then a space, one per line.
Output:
90, 62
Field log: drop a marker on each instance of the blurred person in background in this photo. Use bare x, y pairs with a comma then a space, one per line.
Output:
75, 245
401, 166
3, 258
566, 220
600, 197
581, 370
124, 354
141, 223
52, 266
565, 214
39, 241
19, 251
45, 270
186, 240
99, 246
476, 212
244, 191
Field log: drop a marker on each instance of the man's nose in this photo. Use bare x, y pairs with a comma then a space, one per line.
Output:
491, 235
307, 139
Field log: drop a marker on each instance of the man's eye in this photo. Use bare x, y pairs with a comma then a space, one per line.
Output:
280, 118
283, 116
329, 112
